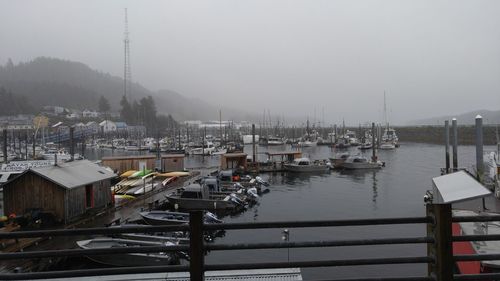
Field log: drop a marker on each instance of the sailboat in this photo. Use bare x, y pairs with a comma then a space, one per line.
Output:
389, 137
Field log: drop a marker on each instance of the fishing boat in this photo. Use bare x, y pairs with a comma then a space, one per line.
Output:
207, 148
338, 159
305, 165
275, 141
361, 162
169, 218
387, 145
199, 197
476, 247
128, 259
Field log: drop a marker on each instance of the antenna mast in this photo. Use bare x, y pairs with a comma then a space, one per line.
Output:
385, 114
127, 73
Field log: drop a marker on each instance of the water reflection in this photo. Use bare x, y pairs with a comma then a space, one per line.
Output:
361, 176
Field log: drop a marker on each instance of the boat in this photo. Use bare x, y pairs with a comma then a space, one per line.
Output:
275, 141
387, 145
198, 197
338, 159
476, 247
169, 218
207, 149
128, 259
305, 165
361, 162
62, 155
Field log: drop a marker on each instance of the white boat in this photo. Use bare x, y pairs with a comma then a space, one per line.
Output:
62, 155
248, 139
275, 141
207, 149
387, 145
308, 143
305, 165
361, 162
130, 259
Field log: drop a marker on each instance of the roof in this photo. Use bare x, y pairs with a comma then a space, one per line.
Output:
234, 155
149, 156
72, 174
281, 274
456, 187
283, 153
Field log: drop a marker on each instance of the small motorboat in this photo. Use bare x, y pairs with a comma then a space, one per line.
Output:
303, 165
361, 162
169, 218
128, 259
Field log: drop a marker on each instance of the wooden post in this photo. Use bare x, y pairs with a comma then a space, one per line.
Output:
5, 159
441, 250
455, 144
253, 144
196, 251
447, 144
374, 149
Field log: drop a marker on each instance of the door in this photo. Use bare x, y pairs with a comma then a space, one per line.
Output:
89, 196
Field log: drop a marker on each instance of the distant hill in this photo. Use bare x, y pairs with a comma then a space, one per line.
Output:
51, 81
489, 117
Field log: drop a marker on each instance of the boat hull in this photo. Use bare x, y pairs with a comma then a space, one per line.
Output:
357, 166
305, 169
200, 204
131, 259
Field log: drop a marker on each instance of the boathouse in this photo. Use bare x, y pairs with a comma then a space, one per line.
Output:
66, 190
121, 164
230, 161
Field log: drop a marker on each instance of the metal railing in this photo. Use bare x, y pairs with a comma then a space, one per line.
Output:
439, 239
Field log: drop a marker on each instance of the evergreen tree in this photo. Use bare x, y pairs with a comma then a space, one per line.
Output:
126, 112
103, 104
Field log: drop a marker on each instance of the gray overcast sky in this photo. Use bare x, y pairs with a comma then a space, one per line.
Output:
292, 57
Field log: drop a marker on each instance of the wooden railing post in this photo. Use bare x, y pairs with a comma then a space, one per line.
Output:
441, 250
196, 251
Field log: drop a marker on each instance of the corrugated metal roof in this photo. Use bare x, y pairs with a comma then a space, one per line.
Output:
280, 274
75, 173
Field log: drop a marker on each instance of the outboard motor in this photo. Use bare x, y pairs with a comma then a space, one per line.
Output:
211, 218
252, 192
236, 200
261, 181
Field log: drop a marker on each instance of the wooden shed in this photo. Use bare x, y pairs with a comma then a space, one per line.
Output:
233, 161
68, 190
120, 164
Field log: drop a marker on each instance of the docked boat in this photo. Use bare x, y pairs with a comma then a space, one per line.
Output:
361, 162
169, 218
305, 165
387, 145
275, 141
206, 149
199, 197
476, 247
128, 259
339, 159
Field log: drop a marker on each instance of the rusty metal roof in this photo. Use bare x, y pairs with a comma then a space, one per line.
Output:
279, 274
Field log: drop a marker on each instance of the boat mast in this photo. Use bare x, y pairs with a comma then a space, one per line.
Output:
385, 114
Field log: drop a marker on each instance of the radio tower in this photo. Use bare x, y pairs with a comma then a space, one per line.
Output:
127, 74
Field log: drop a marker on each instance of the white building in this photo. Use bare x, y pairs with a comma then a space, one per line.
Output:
90, 114
107, 126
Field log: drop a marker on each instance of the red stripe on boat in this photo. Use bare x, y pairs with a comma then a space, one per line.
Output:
464, 248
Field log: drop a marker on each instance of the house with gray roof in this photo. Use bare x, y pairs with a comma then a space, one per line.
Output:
68, 190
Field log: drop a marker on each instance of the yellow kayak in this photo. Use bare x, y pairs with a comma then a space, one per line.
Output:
173, 174
128, 173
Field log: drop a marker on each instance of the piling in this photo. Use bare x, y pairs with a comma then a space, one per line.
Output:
455, 143
374, 154
253, 144
26, 144
5, 160
34, 145
71, 142
479, 148
447, 144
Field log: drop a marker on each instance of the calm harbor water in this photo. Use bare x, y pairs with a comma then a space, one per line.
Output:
395, 191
